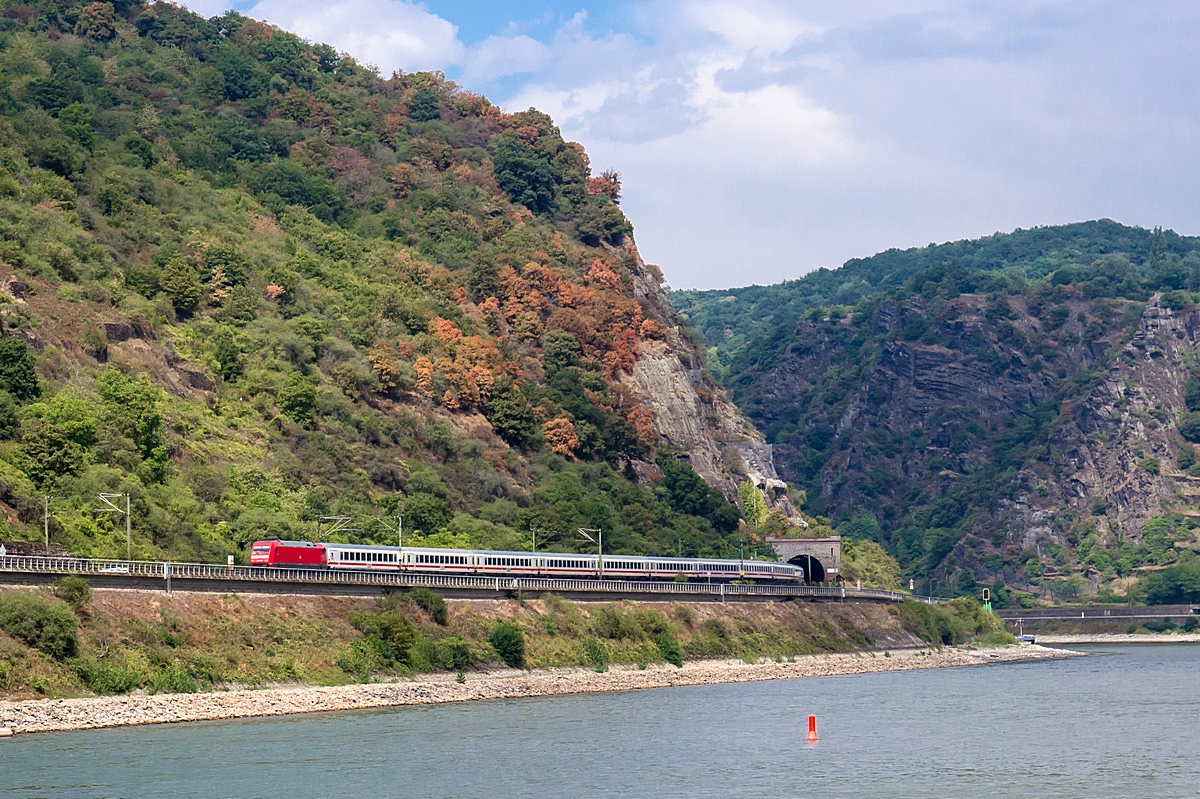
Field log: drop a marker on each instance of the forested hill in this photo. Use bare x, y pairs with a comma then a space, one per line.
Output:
1019, 411
252, 283
746, 327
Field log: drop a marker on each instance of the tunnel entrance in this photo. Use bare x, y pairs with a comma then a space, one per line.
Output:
814, 572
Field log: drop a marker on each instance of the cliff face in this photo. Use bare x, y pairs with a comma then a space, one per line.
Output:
1117, 450
1020, 438
691, 413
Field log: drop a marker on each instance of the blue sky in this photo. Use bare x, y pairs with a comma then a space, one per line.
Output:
759, 140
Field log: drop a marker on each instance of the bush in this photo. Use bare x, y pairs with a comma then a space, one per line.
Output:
173, 679
450, 652
360, 660
595, 653
47, 626
104, 676
668, 647
17, 374
75, 591
1191, 624
389, 634
433, 604
509, 642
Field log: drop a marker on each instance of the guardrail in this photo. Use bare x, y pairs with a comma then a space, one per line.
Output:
167, 571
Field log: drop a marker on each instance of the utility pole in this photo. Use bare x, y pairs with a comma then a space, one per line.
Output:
107, 500
599, 542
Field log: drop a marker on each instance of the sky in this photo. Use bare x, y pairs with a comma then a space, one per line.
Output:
760, 140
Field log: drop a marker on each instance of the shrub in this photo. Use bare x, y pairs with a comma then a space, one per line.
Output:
298, 398
360, 660
1189, 427
173, 679
509, 642
389, 634
450, 652
75, 591
17, 374
104, 676
1191, 624
595, 653
48, 626
668, 647
433, 604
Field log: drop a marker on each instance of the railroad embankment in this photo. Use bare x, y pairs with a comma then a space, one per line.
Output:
72, 642
51, 715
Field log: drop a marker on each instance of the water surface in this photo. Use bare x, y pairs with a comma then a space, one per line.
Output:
1123, 724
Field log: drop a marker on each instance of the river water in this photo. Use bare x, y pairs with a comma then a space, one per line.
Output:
1124, 723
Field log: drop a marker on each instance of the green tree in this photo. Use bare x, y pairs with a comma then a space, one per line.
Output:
510, 413
668, 647
97, 22
75, 122
227, 353
49, 453
1189, 427
524, 174
424, 106
426, 513
17, 374
298, 398
432, 603
8, 416
134, 407
75, 591
181, 284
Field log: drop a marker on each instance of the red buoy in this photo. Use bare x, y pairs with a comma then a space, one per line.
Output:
812, 729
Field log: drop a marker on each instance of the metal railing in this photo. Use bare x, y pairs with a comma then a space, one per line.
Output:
167, 571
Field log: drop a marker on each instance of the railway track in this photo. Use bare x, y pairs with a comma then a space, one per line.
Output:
167, 576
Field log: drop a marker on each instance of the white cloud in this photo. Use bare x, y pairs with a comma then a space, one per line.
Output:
758, 141
497, 56
391, 34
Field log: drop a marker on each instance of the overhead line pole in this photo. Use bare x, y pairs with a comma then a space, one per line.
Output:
599, 542
107, 500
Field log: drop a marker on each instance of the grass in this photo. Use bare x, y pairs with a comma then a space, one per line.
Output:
189, 642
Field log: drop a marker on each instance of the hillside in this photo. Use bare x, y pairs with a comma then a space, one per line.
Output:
747, 327
1023, 421
259, 287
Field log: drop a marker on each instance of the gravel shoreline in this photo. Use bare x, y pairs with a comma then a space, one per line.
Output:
57, 715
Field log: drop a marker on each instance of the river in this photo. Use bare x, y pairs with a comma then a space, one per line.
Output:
1124, 723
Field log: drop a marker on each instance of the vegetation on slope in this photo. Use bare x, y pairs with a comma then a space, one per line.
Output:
912, 417
747, 328
252, 283
111, 642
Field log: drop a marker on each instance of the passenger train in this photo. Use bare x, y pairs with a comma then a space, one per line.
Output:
485, 563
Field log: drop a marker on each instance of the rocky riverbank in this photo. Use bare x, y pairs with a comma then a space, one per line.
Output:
51, 715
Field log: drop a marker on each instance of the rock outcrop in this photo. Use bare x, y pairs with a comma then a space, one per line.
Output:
691, 413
